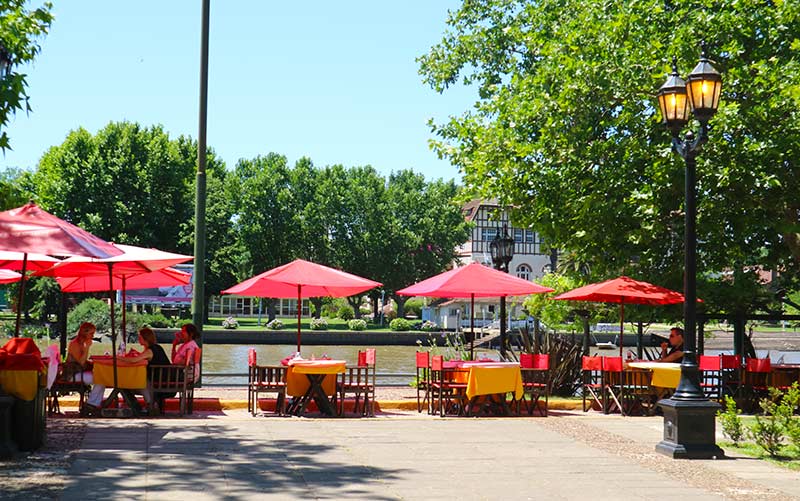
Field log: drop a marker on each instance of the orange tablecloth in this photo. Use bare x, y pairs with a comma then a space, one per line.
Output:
489, 379
130, 376
23, 384
665, 374
297, 383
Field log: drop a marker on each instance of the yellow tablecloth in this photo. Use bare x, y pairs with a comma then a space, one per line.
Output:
129, 377
665, 374
297, 383
488, 380
22, 384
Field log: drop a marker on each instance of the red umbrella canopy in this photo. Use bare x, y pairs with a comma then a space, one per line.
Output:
475, 280
31, 229
9, 277
313, 279
10, 260
623, 290
95, 283
131, 261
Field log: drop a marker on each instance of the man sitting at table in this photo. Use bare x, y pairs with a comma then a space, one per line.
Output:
675, 345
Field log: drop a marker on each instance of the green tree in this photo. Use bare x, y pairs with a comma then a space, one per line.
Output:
21, 30
12, 194
565, 131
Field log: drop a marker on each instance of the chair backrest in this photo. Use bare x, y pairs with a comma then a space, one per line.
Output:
437, 363
526, 360
251, 357
730, 362
592, 363
709, 363
759, 365
612, 364
366, 357
423, 359
541, 362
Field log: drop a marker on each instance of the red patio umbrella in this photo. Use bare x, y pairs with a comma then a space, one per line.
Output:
95, 283
29, 229
9, 277
130, 261
622, 291
473, 280
302, 279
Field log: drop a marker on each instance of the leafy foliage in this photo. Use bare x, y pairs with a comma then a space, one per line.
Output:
400, 324
230, 323
731, 422
275, 324
319, 324
566, 132
89, 310
345, 313
21, 30
357, 324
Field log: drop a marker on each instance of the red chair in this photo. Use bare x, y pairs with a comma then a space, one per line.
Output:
592, 380
423, 379
449, 393
757, 379
360, 381
612, 383
710, 376
731, 367
535, 381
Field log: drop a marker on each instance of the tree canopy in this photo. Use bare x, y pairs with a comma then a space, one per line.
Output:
565, 131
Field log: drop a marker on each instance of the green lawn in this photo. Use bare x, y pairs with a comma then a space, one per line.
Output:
790, 458
290, 323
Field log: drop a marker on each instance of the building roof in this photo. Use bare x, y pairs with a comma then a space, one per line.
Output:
470, 209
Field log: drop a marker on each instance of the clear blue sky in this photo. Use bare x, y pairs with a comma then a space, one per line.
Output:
335, 81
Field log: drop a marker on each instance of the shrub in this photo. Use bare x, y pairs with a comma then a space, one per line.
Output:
319, 324
230, 323
428, 326
89, 310
331, 306
34, 331
275, 324
767, 433
357, 324
365, 309
157, 320
731, 422
400, 324
345, 313
414, 307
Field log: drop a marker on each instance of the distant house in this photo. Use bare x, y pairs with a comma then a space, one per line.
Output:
532, 259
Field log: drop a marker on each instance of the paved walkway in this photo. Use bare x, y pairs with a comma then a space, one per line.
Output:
405, 456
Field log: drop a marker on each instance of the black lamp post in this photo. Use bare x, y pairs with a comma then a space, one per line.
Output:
689, 424
5, 62
502, 250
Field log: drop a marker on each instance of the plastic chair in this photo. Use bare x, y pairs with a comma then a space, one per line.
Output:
535, 381
423, 362
592, 381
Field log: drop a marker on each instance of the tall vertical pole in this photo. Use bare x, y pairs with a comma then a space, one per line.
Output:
21, 294
198, 289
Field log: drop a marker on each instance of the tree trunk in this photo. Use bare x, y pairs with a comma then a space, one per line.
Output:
271, 313
374, 298
401, 305
317, 302
355, 303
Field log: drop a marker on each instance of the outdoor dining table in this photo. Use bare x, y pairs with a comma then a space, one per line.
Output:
488, 382
665, 374
313, 379
784, 375
130, 376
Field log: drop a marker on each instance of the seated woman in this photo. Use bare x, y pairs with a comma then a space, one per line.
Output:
675, 345
78, 369
184, 347
155, 355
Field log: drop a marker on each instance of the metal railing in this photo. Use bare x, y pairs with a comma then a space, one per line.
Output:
380, 377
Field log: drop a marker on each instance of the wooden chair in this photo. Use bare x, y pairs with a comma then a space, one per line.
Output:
731, 375
535, 381
593, 381
450, 394
612, 384
635, 393
172, 379
423, 361
265, 379
360, 382
63, 386
711, 376
757, 380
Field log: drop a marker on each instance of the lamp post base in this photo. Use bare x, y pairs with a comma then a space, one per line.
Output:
689, 429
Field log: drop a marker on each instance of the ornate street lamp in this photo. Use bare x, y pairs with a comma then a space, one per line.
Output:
689, 424
5, 62
502, 250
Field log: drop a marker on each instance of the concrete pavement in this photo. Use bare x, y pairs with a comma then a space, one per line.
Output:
405, 456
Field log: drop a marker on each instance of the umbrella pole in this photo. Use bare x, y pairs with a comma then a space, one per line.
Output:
124, 314
21, 295
621, 326
113, 330
472, 327
299, 307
